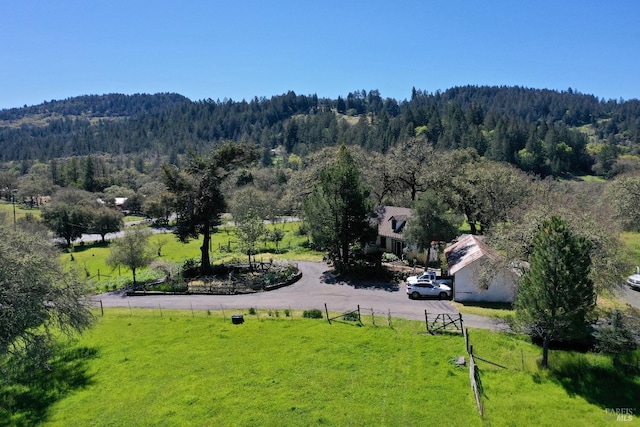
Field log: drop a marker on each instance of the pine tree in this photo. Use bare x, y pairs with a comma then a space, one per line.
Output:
339, 209
556, 295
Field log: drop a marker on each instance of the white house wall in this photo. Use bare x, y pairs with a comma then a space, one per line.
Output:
467, 289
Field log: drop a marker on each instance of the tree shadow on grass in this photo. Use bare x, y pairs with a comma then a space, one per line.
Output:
27, 393
607, 386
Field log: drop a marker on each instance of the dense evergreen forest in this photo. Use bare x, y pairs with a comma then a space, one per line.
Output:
541, 131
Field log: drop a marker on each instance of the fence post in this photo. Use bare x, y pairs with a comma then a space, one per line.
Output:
192, 315
373, 317
466, 339
426, 320
389, 318
326, 310
359, 319
101, 308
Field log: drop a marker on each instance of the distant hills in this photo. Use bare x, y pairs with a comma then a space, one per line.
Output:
542, 131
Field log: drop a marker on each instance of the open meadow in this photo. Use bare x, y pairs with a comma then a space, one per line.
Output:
151, 367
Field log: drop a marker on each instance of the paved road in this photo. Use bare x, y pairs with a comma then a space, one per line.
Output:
631, 296
316, 288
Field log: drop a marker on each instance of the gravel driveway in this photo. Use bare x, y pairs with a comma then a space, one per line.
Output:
316, 288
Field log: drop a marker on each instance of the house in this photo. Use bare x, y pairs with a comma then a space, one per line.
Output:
465, 258
391, 222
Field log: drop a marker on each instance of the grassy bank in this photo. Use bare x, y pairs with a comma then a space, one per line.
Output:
147, 367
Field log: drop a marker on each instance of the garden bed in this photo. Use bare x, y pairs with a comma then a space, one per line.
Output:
238, 279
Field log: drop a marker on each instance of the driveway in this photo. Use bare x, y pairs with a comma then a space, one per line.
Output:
630, 296
316, 288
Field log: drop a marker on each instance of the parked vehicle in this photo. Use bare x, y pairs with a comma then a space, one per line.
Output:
430, 275
427, 275
427, 288
634, 280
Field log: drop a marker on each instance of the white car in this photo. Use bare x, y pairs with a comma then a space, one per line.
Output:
427, 275
427, 288
634, 281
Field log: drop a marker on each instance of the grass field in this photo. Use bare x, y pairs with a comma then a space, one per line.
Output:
6, 212
90, 259
147, 367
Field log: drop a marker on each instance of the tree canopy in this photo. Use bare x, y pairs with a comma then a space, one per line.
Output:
338, 211
132, 250
39, 298
556, 296
199, 201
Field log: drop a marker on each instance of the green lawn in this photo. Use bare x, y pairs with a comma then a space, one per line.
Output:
90, 259
152, 367
6, 212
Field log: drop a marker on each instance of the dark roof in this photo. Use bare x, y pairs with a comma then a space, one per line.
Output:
385, 216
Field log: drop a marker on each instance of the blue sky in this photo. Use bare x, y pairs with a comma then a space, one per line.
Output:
241, 49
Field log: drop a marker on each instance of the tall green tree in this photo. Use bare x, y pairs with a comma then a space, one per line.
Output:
89, 183
485, 192
106, 220
431, 220
132, 250
199, 201
69, 214
556, 296
338, 210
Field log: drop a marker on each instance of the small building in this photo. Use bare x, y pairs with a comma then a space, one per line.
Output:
464, 259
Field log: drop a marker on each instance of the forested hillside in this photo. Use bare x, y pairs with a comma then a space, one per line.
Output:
541, 131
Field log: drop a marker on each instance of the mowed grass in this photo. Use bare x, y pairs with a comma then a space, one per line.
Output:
181, 368
203, 370
6, 212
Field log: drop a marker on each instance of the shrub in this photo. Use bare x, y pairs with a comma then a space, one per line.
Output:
352, 316
252, 311
190, 268
287, 312
312, 314
389, 257
615, 337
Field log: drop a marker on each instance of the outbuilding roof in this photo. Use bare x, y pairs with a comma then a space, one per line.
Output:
467, 250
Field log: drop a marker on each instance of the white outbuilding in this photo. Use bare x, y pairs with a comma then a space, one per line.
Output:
464, 259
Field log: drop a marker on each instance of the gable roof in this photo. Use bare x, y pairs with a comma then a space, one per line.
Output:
385, 218
467, 250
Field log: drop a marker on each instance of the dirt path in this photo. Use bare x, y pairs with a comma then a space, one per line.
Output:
316, 288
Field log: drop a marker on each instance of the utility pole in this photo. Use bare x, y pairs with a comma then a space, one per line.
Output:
13, 201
